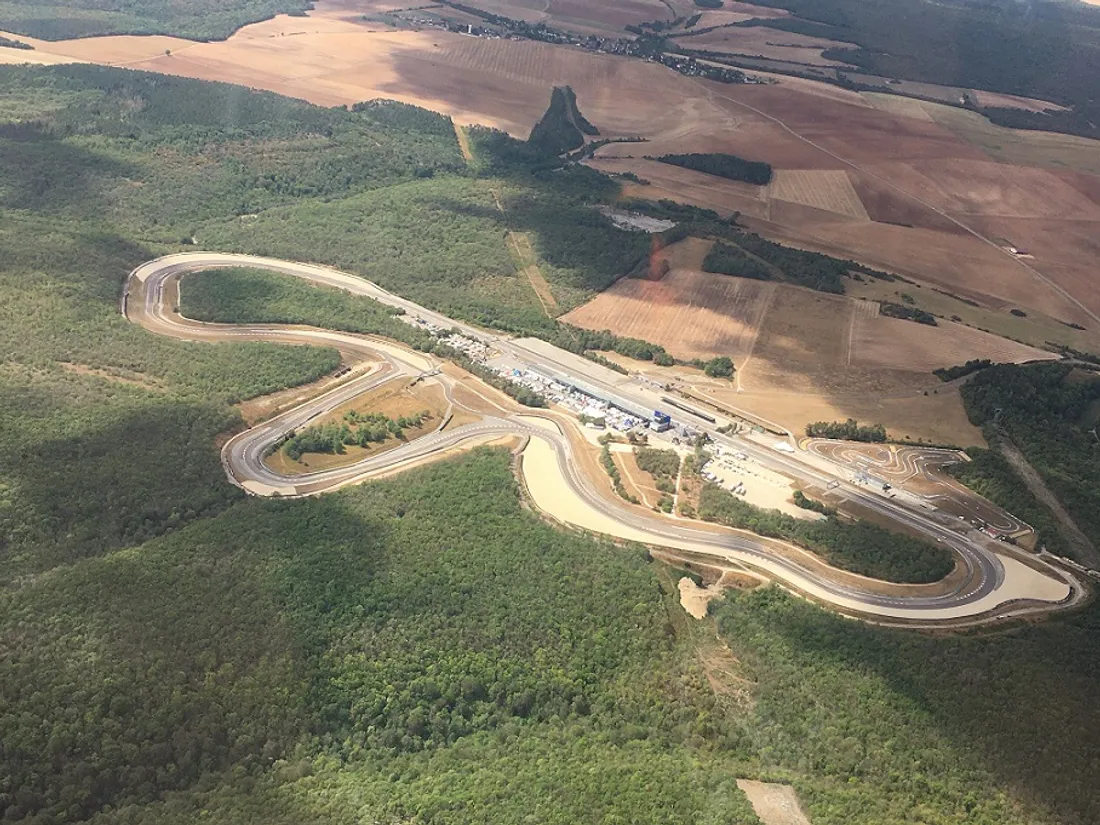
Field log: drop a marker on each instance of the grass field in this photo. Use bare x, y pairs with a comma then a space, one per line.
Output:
1035, 329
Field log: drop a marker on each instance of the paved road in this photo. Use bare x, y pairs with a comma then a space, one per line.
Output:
982, 589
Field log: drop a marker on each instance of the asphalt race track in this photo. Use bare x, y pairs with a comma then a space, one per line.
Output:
995, 584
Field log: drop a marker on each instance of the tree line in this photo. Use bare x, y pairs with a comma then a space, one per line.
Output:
849, 430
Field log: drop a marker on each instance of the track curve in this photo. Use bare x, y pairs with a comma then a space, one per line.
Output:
992, 584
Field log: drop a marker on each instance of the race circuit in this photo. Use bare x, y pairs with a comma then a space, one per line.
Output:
996, 583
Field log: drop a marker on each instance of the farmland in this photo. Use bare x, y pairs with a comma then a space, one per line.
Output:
878, 341
763, 42
692, 314
828, 189
922, 172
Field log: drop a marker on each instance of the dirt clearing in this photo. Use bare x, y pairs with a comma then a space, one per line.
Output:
775, 804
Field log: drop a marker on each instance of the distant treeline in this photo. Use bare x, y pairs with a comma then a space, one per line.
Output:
812, 270
1052, 52
959, 370
581, 341
723, 166
850, 430
8, 43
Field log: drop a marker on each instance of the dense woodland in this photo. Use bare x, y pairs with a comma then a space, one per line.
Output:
421, 649
747, 255
1046, 50
861, 547
724, 166
849, 430
726, 259
197, 19
1050, 412
961, 370
562, 127
907, 313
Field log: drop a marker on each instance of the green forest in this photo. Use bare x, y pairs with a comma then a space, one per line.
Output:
423, 649
1050, 50
242, 295
1050, 412
860, 546
197, 19
849, 430
562, 127
723, 165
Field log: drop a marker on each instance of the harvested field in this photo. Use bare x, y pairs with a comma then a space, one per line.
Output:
891, 343
692, 314
886, 204
764, 42
686, 254
827, 189
967, 187
804, 328
1064, 251
849, 127
937, 418
946, 260
898, 105
686, 186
